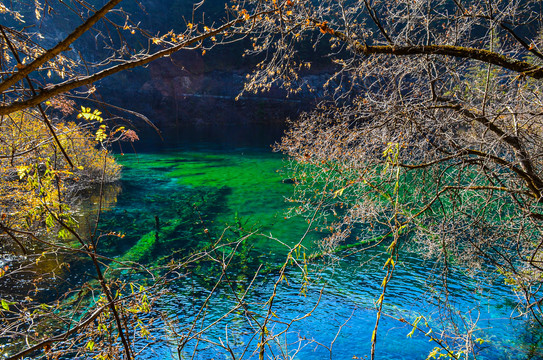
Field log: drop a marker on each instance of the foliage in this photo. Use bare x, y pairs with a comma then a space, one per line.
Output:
37, 189
463, 183
36, 178
431, 132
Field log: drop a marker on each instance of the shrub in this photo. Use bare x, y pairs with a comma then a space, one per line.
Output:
35, 176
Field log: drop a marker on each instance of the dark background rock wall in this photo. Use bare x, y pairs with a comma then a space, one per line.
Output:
186, 88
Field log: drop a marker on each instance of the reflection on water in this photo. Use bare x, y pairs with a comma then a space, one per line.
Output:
175, 195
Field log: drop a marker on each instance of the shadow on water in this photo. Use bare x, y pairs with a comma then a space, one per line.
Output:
217, 137
178, 215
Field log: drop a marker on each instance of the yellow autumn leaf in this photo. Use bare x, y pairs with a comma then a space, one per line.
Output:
339, 192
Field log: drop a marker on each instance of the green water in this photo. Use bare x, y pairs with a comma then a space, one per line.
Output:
176, 201
192, 191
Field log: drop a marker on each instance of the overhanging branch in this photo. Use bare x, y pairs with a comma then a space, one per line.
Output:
51, 91
486, 56
60, 47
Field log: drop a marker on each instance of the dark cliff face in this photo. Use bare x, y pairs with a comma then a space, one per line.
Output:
190, 89
186, 88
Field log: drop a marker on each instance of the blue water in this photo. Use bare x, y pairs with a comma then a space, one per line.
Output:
337, 301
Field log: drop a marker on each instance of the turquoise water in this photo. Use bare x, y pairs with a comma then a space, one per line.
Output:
190, 194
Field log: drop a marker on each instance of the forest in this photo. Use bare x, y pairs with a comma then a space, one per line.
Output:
271, 179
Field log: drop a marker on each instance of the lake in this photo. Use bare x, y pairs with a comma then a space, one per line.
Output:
199, 182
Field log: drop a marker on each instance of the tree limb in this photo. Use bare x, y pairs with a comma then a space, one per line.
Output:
486, 56
60, 47
51, 91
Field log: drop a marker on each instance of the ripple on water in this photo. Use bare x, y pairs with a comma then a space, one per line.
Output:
345, 291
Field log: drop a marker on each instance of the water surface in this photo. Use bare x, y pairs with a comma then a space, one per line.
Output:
190, 187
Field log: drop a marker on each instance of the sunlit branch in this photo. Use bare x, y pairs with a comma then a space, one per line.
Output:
485, 56
60, 47
51, 91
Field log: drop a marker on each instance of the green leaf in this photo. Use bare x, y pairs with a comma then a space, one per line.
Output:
414, 326
63, 234
49, 221
22, 170
6, 304
90, 345
339, 192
